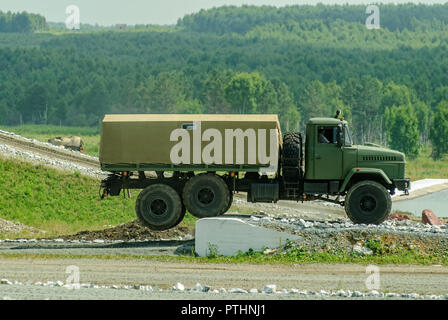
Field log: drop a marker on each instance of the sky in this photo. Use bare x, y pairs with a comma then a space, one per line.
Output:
162, 12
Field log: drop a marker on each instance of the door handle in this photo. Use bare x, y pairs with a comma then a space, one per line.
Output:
318, 157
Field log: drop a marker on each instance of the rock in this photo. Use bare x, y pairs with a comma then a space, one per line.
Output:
205, 288
237, 290
179, 287
294, 290
358, 249
59, 283
357, 294
373, 293
270, 251
270, 288
341, 293
198, 287
253, 290
398, 217
428, 217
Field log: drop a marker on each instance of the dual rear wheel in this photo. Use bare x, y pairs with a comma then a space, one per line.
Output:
160, 207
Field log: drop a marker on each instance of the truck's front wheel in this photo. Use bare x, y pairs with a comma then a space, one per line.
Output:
159, 207
368, 202
206, 195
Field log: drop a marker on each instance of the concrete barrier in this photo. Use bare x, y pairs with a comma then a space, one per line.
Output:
227, 236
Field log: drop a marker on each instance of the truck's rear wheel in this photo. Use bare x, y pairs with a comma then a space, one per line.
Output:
159, 207
229, 204
368, 202
206, 195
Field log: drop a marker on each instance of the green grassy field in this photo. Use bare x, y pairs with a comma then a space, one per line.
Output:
58, 202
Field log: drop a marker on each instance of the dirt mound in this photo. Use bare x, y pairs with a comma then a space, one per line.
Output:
133, 230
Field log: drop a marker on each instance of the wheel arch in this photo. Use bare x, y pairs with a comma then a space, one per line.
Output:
359, 174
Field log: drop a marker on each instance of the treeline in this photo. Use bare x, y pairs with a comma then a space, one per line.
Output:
232, 19
392, 85
22, 22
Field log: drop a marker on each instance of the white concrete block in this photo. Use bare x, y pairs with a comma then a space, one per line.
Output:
229, 235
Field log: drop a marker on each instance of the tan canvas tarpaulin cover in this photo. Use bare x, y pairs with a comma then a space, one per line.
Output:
145, 138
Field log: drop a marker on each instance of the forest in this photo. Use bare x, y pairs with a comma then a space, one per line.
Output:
296, 61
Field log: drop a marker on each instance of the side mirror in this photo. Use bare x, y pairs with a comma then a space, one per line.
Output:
339, 136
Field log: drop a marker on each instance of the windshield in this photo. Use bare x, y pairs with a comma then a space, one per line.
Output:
347, 136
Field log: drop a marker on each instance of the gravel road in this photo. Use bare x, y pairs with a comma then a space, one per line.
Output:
163, 275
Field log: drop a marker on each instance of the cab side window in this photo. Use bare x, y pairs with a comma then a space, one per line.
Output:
326, 135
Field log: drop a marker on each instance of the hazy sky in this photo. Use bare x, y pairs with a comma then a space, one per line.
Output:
107, 12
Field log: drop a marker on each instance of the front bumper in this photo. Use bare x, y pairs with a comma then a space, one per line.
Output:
402, 184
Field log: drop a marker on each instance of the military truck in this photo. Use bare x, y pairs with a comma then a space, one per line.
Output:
200, 161
72, 143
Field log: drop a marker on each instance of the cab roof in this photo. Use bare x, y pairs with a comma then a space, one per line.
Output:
326, 121
190, 117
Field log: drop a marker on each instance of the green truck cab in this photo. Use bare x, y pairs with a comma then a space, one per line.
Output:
327, 166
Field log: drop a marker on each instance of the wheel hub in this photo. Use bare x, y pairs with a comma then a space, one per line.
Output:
158, 207
206, 196
368, 203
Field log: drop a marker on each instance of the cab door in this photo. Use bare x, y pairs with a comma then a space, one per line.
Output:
327, 153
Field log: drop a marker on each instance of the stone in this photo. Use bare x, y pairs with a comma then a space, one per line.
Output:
270, 288
179, 287
198, 287
428, 217
237, 290
270, 251
357, 294
253, 290
205, 288
59, 283
358, 249
398, 217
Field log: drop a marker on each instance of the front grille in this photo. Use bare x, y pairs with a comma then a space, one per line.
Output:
379, 158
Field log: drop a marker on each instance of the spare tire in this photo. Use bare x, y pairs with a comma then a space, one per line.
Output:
291, 149
206, 195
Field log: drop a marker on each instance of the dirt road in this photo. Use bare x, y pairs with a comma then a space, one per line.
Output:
312, 277
47, 150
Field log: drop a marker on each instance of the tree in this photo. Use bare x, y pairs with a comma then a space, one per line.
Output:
402, 130
243, 91
35, 104
439, 131
213, 95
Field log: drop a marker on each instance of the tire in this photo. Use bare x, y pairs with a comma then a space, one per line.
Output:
206, 195
291, 149
229, 204
368, 202
159, 207
181, 217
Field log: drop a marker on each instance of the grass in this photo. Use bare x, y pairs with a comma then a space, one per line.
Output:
59, 202
292, 257
424, 166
